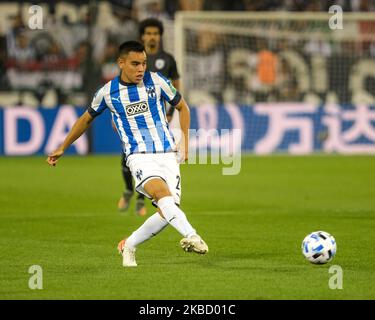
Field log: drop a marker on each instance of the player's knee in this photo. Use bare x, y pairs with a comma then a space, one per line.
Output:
157, 189
161, 193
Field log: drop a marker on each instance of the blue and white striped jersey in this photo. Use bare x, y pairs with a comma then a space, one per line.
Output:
138, 111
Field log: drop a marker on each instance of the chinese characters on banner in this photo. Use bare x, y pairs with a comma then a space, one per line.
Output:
293, 128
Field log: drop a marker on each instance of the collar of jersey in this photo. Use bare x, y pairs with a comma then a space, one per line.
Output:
125, 83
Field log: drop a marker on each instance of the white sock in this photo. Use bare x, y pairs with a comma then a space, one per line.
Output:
175, 216
151, 227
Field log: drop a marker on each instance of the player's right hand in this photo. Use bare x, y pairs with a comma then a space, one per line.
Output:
54, 156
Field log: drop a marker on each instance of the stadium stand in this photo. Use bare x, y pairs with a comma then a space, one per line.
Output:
61, 62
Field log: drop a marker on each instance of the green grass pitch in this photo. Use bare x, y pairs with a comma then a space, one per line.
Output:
64, 219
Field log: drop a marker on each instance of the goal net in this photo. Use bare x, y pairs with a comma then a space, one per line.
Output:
247, 58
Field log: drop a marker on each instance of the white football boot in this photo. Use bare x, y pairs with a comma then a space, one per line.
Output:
194, 244
128, 255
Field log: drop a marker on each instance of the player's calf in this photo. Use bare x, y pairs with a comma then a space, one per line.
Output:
157, 189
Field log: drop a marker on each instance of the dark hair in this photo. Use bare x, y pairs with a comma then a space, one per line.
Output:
150, 22
129, 46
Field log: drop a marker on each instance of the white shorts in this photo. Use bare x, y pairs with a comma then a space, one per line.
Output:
146, 166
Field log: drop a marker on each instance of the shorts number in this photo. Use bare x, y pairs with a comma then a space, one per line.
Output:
178, 182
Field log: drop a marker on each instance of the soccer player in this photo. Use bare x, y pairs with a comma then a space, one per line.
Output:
136, 101
151, 32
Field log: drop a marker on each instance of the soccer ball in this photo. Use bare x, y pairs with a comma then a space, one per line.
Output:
319, 247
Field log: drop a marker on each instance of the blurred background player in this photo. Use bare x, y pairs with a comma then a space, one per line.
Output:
151, 32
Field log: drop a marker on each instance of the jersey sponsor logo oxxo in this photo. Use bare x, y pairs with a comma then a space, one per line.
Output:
136, 108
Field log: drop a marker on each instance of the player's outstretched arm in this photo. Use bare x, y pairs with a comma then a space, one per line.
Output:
81, 125
184, 111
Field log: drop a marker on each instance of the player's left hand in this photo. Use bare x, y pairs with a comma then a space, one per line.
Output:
54, 156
